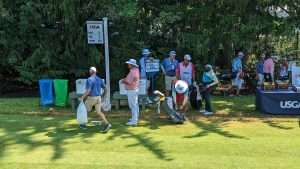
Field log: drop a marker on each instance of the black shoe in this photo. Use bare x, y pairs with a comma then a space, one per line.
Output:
82, 126
184, 118
106, 128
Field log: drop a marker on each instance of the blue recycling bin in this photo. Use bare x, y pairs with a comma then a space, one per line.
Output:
46, 92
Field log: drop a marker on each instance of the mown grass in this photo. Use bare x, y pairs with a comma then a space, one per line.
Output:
237, 137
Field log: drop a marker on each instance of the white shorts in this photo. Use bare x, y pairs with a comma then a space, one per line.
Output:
260, 79
238, 82
168, 82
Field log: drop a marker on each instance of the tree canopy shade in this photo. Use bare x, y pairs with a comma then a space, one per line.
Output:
40, 38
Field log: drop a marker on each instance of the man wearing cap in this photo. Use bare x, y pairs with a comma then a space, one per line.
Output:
132, 86
149, 74
180, 94
209, 80
186, 70
92, 95
237, 72
260, 69
168, 67
145, 56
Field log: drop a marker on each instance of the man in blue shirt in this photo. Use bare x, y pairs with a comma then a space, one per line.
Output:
237, 63
168, 67
209, 79
94, 86
147, 74
260, 70
145, 56
237, 71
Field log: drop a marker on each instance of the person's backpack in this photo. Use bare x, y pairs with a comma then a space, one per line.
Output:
175, 116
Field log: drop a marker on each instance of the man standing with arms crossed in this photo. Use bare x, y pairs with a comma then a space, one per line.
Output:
92, 95
132, 86
168, 67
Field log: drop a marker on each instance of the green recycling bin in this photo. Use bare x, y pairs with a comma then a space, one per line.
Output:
61, 92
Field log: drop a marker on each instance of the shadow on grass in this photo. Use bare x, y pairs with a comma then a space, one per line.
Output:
142, 139
21, 130
212, 128
277, 125
236, 106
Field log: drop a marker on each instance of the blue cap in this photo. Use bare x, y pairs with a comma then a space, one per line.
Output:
146, 51
172, 52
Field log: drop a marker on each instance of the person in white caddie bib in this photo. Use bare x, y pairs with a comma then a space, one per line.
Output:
186, 70
132, 86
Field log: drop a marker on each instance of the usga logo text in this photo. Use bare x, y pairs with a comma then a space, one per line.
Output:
289, 104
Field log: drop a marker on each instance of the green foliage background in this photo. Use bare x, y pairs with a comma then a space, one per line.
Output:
47, 38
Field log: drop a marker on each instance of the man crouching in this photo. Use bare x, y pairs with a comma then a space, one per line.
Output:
180, 93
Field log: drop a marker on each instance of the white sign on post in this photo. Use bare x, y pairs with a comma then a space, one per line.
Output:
152, 65
95, 32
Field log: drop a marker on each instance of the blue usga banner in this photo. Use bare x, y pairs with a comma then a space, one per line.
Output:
289, 104
285, 102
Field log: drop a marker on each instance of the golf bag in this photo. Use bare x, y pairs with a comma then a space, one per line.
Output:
195, 101
167, 106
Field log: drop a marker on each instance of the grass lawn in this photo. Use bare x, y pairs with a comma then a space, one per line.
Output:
236, 138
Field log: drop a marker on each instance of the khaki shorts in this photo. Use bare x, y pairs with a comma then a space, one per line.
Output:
93, 102
168, 82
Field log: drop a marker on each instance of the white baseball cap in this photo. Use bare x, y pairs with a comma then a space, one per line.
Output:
93, 69
187, 57
181, 86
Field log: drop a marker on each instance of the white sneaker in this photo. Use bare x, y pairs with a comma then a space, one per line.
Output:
202, 111
149, 101
207, 113
131, 124
97, 123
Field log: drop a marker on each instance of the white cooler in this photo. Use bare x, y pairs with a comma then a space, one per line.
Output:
80, 86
